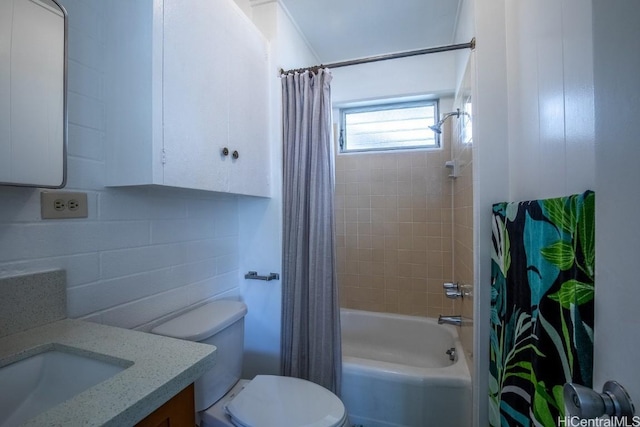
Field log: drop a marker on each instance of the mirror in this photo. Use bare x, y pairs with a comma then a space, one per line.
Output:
33, 111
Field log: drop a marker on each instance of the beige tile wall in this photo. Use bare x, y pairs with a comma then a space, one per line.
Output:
394, 231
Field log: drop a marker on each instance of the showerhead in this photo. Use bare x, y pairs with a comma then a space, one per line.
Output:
437, 128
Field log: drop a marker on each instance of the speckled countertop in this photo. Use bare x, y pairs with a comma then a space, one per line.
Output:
159, 368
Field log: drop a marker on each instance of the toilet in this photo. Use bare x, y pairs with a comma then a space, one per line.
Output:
222, 399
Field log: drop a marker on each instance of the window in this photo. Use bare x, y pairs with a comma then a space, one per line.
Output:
389, 127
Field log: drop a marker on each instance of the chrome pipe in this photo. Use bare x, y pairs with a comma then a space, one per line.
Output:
450, 320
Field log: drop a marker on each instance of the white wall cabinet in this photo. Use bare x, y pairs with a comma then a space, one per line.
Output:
184, 80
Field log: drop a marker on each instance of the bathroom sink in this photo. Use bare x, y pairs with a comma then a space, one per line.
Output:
37, 383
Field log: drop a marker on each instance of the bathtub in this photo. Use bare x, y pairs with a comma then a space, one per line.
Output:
395, 371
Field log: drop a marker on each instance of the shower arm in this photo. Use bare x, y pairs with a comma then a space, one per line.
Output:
446, 116
456, 113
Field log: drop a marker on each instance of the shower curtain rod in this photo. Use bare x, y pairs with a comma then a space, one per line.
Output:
471, 45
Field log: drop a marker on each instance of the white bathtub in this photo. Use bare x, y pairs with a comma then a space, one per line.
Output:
395, 371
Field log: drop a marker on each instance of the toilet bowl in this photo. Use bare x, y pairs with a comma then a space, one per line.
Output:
222, 399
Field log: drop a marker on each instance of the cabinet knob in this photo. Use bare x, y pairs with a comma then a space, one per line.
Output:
225, 151
235, 154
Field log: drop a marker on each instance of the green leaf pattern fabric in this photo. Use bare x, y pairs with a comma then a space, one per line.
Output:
542, 268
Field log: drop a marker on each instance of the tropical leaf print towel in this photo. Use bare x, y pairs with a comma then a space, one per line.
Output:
542, 261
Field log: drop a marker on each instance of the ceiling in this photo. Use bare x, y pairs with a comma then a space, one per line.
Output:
340, 30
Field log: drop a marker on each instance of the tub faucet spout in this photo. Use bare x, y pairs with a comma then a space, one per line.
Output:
450, 320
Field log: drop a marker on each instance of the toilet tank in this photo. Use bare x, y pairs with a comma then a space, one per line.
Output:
220, 323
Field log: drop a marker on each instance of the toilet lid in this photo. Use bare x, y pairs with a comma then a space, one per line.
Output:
273, 401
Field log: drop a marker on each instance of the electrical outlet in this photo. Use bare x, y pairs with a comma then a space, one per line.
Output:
60, 205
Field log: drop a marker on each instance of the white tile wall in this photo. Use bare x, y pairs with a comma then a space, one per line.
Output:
141, 253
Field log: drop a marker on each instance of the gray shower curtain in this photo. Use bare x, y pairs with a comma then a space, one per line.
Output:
310, 345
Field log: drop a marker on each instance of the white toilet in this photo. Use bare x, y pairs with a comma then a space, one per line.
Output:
223, 400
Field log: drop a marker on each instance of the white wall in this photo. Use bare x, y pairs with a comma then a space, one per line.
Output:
550, 74
418, 75
534, 133
465, 31
617, 108
491, 176
572, 123
141, 253
261, 220
245, 5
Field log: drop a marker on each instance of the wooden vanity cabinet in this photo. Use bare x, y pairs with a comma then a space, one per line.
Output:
179, 411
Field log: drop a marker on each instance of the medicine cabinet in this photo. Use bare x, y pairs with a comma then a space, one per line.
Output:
33, 125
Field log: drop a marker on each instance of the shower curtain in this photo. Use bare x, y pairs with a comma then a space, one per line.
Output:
310, 346
543, 259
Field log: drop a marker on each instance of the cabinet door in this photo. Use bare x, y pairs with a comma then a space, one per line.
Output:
249, 109
195, 94
179, 411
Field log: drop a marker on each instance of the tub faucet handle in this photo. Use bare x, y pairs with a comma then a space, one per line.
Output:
453, 293
452, 290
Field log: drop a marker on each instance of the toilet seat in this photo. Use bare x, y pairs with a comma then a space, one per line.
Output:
273, 401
